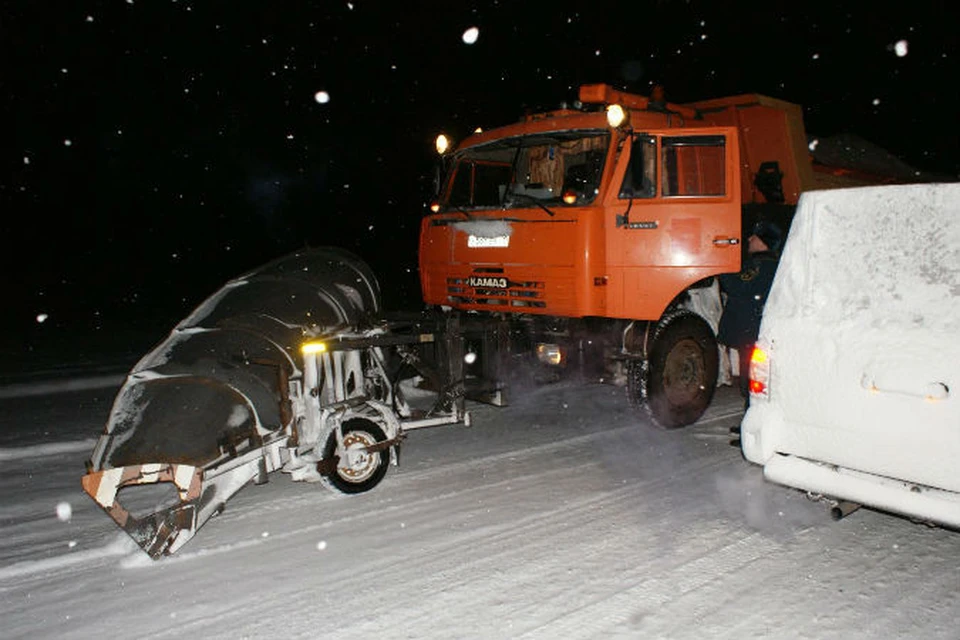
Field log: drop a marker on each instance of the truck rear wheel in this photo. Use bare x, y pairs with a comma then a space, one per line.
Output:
680, 376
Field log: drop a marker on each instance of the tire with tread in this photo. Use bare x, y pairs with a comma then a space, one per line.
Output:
358, 432
677, 381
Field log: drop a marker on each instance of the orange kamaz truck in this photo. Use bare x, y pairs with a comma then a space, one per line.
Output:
597, 229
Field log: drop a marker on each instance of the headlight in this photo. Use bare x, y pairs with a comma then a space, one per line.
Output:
550, 354
615, 115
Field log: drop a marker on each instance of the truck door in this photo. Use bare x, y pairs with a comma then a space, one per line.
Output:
672, 217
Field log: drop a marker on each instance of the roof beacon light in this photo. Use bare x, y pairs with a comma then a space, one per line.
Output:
443, 144
615, 115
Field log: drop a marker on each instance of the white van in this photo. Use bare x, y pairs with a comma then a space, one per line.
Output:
855, 379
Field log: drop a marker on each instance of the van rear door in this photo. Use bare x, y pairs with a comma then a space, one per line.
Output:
862, 332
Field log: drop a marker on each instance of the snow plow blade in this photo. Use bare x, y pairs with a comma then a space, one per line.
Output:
219, 402
160, 532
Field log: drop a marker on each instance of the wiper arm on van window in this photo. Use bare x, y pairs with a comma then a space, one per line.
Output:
526, 197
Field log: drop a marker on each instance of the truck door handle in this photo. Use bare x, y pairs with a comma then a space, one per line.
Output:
726, 242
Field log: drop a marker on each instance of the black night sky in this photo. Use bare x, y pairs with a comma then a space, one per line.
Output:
156, 148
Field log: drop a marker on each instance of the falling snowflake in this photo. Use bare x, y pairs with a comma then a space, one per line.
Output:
67, 142
89, 18
813, 144
876, 101
64, 512
470, 35
321, 545
42, 317
900, 48
322, 97
26, 159
816, 56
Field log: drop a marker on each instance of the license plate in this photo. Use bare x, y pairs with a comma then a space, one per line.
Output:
481, 241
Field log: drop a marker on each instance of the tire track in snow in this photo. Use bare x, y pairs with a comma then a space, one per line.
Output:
258, 508
612, 616
482, 553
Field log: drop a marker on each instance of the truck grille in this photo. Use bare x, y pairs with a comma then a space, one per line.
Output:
516, 294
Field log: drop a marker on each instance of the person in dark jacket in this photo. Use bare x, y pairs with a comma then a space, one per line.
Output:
746, 292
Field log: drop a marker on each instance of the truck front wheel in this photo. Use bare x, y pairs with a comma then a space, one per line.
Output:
677, 382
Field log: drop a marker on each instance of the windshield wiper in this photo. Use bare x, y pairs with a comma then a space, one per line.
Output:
526, 197
466, 213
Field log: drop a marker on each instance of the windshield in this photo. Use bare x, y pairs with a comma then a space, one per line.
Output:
527, 171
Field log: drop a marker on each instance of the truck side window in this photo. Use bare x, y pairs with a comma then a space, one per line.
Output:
693, 166
640, 179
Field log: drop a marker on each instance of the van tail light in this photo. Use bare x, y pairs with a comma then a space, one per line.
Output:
759, 373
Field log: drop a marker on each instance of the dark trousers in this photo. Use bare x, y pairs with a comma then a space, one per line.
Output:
743, 355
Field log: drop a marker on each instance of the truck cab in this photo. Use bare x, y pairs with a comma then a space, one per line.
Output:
567, 215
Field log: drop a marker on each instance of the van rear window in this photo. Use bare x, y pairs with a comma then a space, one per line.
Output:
878, 255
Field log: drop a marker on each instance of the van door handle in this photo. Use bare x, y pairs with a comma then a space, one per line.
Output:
889, 384
726, 242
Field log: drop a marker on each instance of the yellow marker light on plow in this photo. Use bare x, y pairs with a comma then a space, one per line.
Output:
313, 347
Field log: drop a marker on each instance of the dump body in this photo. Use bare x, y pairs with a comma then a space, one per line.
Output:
856, 394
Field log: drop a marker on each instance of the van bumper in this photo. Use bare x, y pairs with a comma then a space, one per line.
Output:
916, 501
760, 431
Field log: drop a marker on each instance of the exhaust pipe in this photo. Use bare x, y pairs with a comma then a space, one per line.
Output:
843, 509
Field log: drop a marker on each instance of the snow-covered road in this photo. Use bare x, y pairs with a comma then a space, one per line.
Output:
565, 515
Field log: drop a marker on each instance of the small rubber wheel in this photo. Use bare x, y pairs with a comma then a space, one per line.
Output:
358, 471
681, 372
